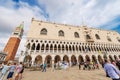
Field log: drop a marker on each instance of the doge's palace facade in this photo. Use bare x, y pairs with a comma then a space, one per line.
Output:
51, 42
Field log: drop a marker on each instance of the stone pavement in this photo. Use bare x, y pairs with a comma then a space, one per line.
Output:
70, 74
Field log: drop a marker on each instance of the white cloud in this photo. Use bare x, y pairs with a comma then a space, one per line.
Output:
11, 18
93, 12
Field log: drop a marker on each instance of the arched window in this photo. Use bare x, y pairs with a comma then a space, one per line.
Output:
60, 33
38, 47
76, 35
109, 39
28, 46
88, 37
118, 39
97, 36
43, 31
33, 47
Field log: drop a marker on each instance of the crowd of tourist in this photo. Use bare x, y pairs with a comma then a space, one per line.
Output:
64, 65
89, 65
55, 66
112, 68
11, 71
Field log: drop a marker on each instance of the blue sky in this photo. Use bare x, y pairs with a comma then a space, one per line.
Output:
104, 14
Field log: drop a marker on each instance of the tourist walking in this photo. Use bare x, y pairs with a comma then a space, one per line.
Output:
85, 66
44, 67
79, 66
11, 71
111, 70
53, 66
18, 69
4, 70
97, 66
21, 72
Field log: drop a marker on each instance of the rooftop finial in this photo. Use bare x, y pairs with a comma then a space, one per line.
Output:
22, 25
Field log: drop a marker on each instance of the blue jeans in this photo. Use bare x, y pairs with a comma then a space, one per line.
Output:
44, 69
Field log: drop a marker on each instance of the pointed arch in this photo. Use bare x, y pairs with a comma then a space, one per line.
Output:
38, 59
94, 58
83, 48
57, 59
88, 48
48, 60
33, 46
27, 58
63, 48
77, 48
66, 58
80, 59
94, 48
66, 47
100, 59
59, 47
87, 58
70, 49
73, 60
80, 48
47, 47
73, 47
97, 48
38, 47
115, 57
111, 59
51, 47
28, 46
42, 47
28, 61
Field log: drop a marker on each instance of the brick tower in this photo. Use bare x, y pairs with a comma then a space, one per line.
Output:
13, 42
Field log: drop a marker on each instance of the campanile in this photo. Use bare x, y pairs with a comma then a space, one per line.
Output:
13, 42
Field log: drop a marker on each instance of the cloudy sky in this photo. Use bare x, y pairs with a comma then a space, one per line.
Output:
104, 14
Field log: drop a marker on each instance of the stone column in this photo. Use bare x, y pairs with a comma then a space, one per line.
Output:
68, 49
81, 49
93, 48
32, 63
75, 49
49, 48
70, 63
30, 48
43, 60
44, 48
77, 58
53, 51
72, 48
61, 49
57, 48
35, 49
